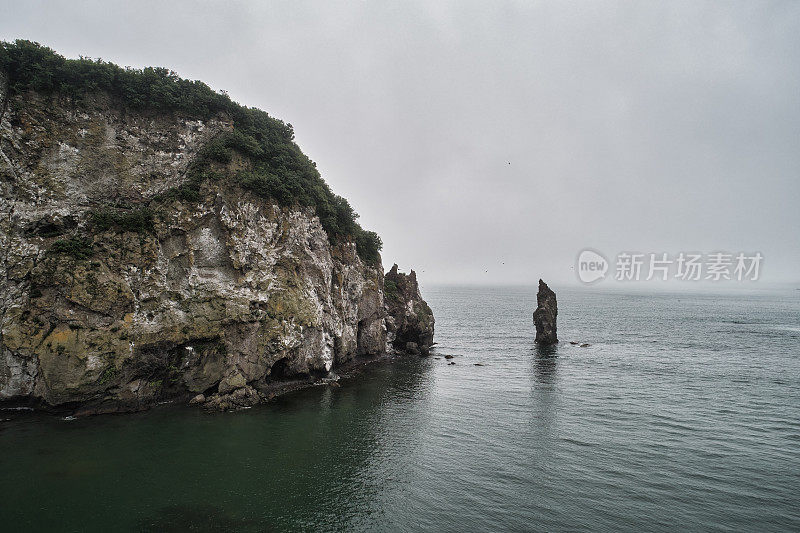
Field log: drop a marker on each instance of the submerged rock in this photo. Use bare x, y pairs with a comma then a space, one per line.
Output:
544, 317
409, 321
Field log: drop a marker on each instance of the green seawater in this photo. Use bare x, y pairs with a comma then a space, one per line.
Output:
683, 414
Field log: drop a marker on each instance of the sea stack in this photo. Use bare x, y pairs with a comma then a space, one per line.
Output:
544, 318
409, 319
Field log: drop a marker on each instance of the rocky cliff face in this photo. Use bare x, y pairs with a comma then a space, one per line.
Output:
409, 320
116, 293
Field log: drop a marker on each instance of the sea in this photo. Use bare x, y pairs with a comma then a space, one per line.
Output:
681, 414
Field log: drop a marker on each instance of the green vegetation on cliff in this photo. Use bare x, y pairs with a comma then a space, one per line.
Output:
138, 220
279, 169
76, 246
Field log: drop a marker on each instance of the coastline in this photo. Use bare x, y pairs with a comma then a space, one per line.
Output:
267, 392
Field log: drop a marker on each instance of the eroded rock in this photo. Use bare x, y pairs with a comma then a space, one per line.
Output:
409, 320
239, 398
544, 317
199, 399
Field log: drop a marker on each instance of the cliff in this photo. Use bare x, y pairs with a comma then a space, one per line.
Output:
138, 265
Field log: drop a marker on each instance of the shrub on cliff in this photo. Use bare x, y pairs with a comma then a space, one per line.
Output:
31, 66
76, 246
137, 220
281, 171
367, 244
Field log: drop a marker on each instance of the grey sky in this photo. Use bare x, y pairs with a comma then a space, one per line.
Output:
645, 126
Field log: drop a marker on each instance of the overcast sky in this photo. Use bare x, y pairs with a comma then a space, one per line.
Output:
502, 136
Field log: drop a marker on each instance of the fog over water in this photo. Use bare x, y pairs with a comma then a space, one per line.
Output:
489, 142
